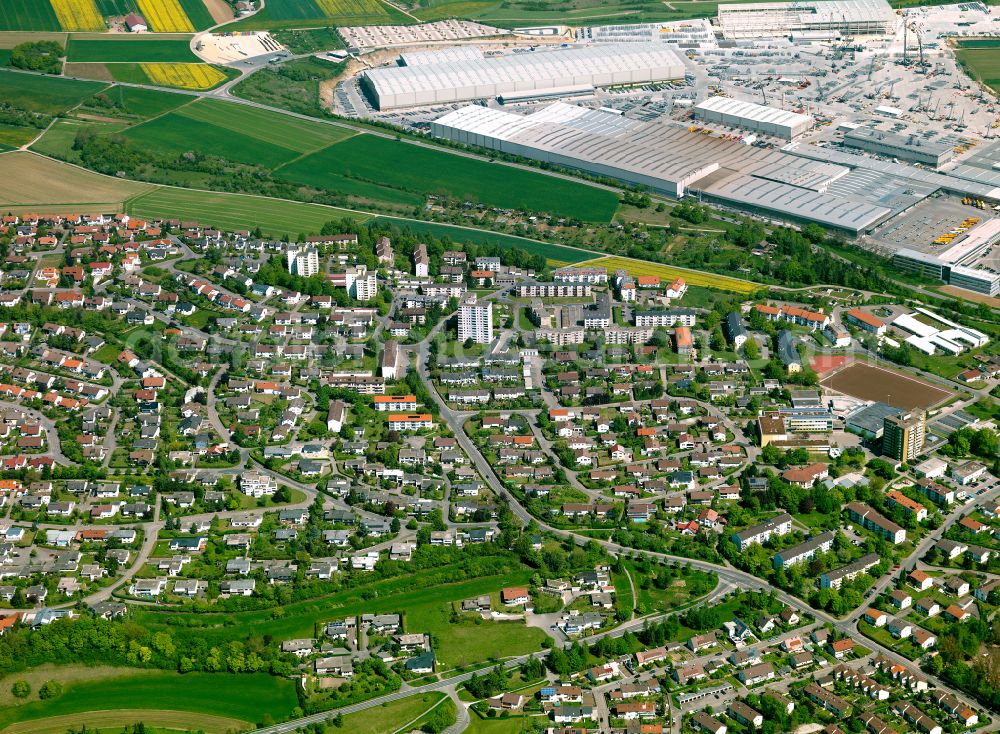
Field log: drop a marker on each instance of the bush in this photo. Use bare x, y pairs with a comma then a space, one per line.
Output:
50, 689
21, 689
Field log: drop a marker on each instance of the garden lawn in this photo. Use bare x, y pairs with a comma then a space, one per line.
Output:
244, 697
417, 168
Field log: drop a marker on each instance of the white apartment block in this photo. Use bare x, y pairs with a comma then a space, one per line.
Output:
361, 284
475, 322
304, 262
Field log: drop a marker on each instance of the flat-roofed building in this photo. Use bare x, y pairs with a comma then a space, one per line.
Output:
831, 17
780, 525
931, 150
750, 116
443, 79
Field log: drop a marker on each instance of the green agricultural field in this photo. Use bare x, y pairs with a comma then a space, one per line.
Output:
981, 61
178, 133
244, 697
236, 132
555, 253
47, 94
198, 14
427, 171
302, 136
321, 13
237, 211
28, 15
130, 49
140, 103
572, 12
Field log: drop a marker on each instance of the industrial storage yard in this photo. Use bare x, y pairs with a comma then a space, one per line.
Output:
847, 114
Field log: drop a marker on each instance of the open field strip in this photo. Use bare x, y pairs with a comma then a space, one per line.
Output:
183, 76
142, 50
78, 15
183, 701
692, 277
31, 179
165, 16
352, 8
9, 39
276, 217
114, 720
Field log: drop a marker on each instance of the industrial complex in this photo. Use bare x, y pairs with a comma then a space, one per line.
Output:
464, 74
844, 113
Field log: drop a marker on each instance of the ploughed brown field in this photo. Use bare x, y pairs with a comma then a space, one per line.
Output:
867, 382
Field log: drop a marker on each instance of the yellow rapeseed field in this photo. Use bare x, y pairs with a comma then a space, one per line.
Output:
352, 8
165, 16
183, 76
691, 277
78, 15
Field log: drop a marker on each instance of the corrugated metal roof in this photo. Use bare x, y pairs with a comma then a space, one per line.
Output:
754, 112
573, 63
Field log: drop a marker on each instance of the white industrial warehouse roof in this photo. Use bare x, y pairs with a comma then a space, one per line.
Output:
834, 211
441, 56
753, 112
767, 179
813, 12
540, 65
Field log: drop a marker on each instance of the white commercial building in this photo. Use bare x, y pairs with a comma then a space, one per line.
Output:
304, 262
475, 322
447, 77
755, 117
835, 17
